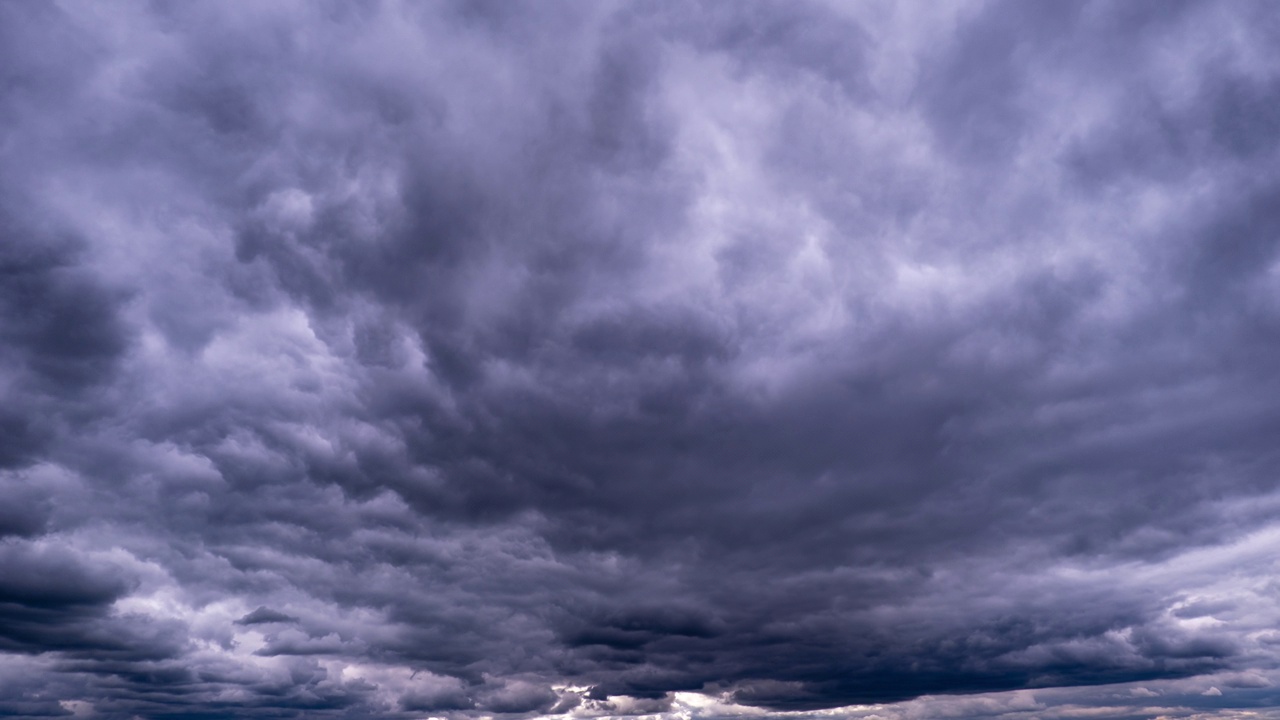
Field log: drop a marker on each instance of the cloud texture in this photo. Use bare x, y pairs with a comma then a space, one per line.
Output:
395, 360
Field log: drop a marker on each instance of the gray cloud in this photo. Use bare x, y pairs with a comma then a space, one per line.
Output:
385, 360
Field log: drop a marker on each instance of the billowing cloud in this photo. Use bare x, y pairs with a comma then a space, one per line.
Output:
395, 360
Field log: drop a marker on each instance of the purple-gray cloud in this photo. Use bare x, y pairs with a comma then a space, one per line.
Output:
395, 360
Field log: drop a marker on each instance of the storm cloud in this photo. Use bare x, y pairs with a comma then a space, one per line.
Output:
396, 360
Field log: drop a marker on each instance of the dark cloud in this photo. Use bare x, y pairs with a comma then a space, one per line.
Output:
381, 360
264, 615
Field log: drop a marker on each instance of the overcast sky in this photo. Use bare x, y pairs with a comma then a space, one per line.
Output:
883, 360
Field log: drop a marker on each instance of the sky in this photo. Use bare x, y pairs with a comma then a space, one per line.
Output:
687, 360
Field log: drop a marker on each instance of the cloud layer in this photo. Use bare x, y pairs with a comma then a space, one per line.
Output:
392, 360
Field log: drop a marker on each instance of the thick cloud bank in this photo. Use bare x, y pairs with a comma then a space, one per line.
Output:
398, 359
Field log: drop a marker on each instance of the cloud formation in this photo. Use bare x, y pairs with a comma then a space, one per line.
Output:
395, 360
